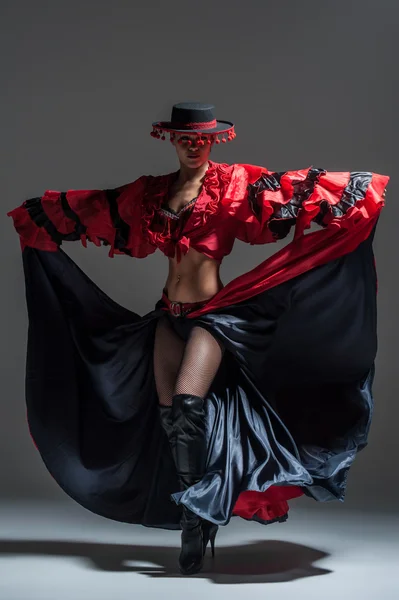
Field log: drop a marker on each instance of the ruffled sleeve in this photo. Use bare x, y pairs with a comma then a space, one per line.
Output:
274, 202
105, 217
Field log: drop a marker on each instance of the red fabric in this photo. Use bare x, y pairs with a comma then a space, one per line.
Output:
177, 307
202, 229
53, 209
267, 505
220, 215
92, 209
342, 235
30, 234
198, 125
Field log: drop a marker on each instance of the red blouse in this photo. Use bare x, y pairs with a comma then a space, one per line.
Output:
238, 201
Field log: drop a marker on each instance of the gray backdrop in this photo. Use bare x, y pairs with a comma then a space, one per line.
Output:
306, 83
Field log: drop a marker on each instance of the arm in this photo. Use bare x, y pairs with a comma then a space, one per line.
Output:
277, 201
109, 217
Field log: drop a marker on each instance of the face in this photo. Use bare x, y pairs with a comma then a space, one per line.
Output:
192, 155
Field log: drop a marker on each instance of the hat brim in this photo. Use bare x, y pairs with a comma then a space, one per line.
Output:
221, 127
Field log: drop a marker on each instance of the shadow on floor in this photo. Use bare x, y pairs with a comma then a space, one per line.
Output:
269, 561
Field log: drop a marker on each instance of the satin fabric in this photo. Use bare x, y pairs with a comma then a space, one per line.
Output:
291, 404
239, 201
288, 411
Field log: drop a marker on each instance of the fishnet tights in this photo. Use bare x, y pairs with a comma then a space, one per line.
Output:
184, 367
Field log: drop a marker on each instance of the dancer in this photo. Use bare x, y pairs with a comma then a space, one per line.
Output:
224, 400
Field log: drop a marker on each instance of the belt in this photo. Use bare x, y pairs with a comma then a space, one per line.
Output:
180, 309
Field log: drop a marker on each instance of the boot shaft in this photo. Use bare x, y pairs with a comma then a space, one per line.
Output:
189, 423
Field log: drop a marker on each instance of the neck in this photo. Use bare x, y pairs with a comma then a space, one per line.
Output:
188, 174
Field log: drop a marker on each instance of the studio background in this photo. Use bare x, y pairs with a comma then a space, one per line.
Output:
306, 83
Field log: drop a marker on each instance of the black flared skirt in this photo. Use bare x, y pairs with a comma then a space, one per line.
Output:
287, 412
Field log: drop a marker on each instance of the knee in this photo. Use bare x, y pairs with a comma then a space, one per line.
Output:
188, 403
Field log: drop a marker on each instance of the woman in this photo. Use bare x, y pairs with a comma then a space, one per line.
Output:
262, 386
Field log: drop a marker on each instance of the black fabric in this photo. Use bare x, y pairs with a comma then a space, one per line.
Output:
38, 215
80, 229
291, 403
122, 228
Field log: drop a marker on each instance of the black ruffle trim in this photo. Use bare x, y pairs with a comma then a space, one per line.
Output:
285, 216
36, 212
39, 217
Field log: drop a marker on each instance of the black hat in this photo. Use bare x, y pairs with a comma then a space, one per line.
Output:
194, 117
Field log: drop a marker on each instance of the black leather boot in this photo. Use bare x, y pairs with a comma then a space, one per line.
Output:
188, 416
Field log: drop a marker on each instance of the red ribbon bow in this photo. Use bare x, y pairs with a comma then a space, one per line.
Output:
182, 246
177, 247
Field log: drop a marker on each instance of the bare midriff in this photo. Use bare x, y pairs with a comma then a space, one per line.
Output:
194, 279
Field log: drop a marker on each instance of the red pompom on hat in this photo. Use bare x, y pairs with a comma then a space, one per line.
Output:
194, 117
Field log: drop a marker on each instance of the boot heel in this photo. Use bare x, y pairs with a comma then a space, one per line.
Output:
209, 533
212, 537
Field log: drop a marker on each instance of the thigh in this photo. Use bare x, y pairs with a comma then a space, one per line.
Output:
168, 354
202, 356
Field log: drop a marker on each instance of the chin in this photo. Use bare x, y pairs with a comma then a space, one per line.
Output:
198, 162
